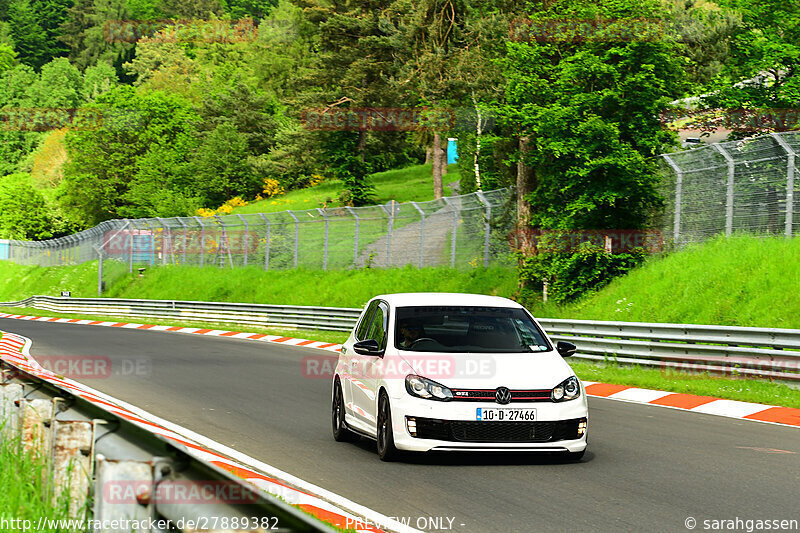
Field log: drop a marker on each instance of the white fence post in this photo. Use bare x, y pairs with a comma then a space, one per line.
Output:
676, 222
455, 230
389, 226
267, 238
421, 233
202, 240
729, 200
327, 233
790, 169
246, 241
166, 241
487, 228
183, 252
296, 235
355, 234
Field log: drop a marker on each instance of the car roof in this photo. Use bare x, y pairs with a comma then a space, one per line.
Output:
411, 299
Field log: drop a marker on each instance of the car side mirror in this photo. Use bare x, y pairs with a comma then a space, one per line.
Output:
566, 349
368, 347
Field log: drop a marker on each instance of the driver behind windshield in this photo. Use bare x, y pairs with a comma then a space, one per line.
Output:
410, 331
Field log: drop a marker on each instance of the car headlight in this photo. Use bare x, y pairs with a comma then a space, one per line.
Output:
425, 388
569, 389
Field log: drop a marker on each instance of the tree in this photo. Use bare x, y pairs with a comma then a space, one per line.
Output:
23, 212
356, 65
60, 85
706, 32
51, 14
77, 19
163, 65
8, 57
284, 52
192, 9
146, 10
221, 170
96, 30
591, 110
29, 37
764, 70
16, 139
98, 79
587, 108
342, 156
163, 185
250, 112
143, 142
449, 63
256, 9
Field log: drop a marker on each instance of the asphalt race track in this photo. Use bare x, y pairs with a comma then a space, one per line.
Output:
648, 468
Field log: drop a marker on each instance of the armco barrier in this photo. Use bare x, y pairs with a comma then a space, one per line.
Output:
292, 316
138, 471
759, 352
755, 352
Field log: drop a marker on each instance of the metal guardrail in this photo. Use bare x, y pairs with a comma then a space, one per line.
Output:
292, 316
756, 352
90, 448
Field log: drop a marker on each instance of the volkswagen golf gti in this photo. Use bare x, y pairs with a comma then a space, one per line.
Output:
456, 372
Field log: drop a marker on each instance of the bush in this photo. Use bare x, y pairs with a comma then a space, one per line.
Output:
23, 212
573, 274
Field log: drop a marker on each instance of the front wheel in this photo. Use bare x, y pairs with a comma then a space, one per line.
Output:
386, 448
340, 431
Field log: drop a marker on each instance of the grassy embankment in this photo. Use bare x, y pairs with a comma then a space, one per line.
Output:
337, 288
740, 281
401, 185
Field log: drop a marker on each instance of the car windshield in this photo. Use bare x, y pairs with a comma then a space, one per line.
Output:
467, 329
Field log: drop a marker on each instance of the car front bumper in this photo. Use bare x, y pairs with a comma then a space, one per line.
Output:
452, 426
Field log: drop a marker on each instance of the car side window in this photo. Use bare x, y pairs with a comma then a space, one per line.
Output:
363, 326
377, 329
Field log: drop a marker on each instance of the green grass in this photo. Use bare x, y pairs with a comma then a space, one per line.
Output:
413, 183
22, 487
19, 281
744, 390
338, 288
740, 281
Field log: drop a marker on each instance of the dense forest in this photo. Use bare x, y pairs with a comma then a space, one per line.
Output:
143, 108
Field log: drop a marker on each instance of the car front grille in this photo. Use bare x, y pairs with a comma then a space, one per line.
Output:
474, 431
488, 395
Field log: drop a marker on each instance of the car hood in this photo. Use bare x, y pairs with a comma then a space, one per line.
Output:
539, 370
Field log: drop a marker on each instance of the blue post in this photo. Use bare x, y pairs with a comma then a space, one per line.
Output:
452, 150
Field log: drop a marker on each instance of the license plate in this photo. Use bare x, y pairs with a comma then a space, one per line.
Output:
505, 415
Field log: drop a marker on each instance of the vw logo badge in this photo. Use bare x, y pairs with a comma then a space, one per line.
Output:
503, 395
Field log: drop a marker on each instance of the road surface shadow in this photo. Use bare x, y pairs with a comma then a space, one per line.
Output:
479, 458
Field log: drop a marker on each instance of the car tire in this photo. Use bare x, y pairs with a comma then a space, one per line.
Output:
340, 431
385, 437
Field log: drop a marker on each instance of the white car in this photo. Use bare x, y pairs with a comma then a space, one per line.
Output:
448, 372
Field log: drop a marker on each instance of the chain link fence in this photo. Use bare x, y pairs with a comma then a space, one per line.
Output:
458, 231
739, 186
